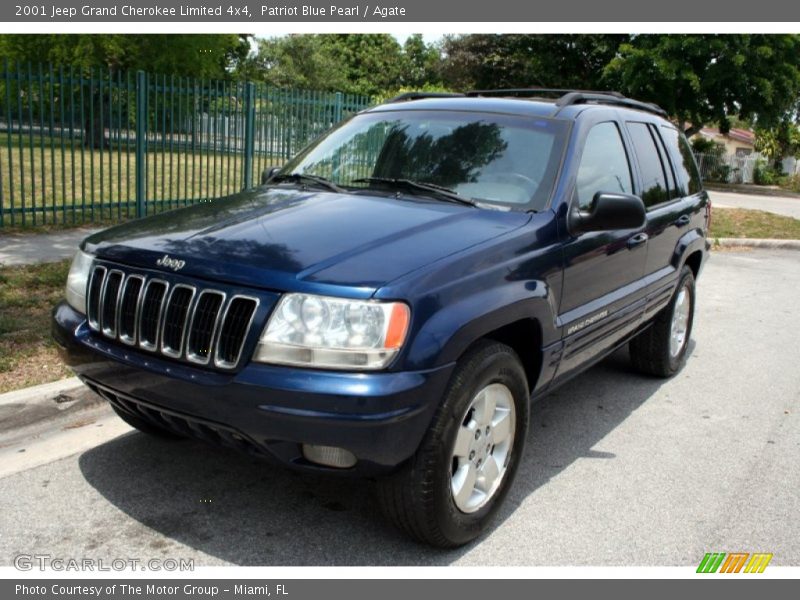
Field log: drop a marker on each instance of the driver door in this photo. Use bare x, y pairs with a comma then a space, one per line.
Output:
603, 293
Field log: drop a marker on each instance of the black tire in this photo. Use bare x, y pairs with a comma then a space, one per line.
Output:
650, 350
146, 426
418, 498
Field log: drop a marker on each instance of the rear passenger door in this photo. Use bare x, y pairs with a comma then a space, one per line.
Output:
668, 201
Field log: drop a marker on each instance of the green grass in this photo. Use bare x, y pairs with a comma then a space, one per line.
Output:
27, 352
742, 223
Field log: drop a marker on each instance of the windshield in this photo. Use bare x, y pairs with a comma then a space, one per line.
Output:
489, 158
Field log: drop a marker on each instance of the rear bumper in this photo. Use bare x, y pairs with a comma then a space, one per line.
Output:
265, 410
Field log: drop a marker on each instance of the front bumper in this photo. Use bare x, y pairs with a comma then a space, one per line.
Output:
265, 410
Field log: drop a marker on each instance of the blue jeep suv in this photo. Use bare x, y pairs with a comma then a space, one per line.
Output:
388, 302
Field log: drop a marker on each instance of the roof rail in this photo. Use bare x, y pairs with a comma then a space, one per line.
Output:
615, 99
564, 98
408, 96
535, 91
568, 97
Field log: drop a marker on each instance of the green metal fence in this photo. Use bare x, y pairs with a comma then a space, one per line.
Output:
96, 145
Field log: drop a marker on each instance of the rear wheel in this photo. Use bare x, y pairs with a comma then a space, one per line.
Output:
449, 491
660, 350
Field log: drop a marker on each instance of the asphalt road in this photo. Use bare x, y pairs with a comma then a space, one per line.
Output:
620, 469
781, 205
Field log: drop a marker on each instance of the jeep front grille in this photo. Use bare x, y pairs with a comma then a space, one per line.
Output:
182, 321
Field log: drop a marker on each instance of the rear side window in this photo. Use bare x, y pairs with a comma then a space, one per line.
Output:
654, 178
675, 190
604, 165
685, 168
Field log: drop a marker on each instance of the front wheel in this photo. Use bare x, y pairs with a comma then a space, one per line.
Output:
660, 350
449, 491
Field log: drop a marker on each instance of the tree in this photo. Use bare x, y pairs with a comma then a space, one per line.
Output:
300, 61
697, 79
203, 55
372, 62
489, 61
422, 63
355, 64
700, 79
779, 142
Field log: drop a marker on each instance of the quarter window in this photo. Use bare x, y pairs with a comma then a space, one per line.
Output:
686, 168
654, 180
604, 165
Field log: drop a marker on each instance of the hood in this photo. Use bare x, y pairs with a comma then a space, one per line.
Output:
294, 240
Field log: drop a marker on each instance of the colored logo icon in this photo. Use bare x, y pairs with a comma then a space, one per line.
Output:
734, 562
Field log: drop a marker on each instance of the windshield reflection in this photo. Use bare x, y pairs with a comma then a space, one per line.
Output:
492, 158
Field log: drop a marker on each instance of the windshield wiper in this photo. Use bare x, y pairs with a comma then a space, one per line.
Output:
437, 191
306, 178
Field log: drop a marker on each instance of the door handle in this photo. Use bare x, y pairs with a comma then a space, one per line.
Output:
637, 240
683, 221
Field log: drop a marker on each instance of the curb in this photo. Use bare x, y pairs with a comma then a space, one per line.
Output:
40, 392
770, 244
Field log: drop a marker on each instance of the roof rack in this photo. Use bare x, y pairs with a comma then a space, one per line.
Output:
533, 92
562, 97
567, 97
408, 96
606, 98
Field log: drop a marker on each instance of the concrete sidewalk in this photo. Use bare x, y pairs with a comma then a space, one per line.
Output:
29, 248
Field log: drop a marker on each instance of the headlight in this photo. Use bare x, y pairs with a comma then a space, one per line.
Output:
77, 279
334, 333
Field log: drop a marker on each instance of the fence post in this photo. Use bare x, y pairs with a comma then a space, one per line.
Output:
141, 144
249, 132
338, 109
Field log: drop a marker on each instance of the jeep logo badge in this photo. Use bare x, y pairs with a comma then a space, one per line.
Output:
170, 263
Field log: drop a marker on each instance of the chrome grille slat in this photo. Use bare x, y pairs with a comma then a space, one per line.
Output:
109, 302
236, 322
206, 318
129, 307
182, 321
155, 295
93, 295
176, 318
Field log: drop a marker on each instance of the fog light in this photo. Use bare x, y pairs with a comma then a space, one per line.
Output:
330, 456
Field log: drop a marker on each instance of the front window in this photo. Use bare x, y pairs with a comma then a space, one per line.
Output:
488, 158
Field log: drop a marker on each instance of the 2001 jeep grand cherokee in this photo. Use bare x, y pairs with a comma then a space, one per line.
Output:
388, 302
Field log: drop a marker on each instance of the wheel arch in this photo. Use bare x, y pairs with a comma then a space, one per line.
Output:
521, 332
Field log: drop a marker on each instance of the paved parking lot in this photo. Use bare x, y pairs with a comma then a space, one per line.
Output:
620, 469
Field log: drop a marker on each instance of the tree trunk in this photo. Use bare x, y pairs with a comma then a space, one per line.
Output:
94, 135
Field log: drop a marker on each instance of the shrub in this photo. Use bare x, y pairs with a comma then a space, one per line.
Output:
764, 174
792, 182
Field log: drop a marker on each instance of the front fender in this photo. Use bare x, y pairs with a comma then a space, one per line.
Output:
462, 299
482, 319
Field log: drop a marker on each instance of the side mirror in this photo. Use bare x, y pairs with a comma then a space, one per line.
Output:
268, 173
609, 211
